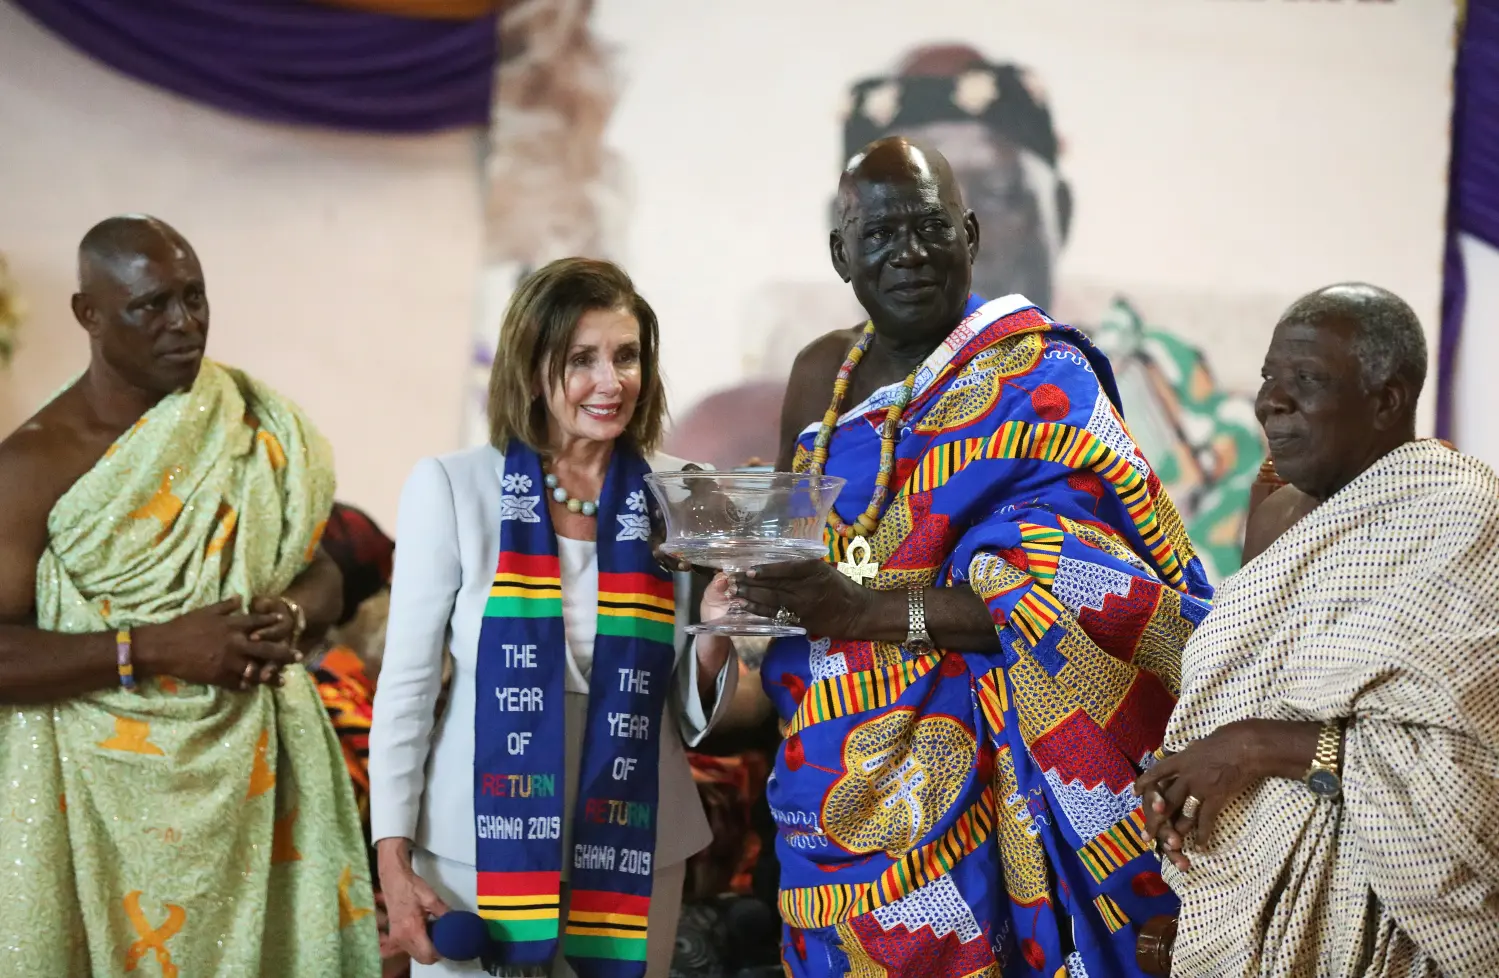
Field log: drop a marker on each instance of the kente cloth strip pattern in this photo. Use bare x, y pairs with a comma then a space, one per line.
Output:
184, 829
971, 813
1380, 608
519, 734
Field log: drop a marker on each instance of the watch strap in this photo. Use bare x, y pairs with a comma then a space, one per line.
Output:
917, 636
1329, 748
1323, 777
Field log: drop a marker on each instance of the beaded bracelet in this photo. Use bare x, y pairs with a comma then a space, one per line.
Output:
122, 659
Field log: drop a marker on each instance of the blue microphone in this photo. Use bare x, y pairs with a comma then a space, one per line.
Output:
459, 935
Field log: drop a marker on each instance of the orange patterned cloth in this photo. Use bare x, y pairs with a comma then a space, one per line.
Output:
349, 696
729, 788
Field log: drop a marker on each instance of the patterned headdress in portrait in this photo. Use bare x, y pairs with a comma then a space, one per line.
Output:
955, 83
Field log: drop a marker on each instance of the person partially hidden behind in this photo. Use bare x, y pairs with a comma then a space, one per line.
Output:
982, 683
176, 798
1332, 805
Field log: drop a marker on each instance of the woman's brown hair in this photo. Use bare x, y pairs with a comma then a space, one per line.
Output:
537, 330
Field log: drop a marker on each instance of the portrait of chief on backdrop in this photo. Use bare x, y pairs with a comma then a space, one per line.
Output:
994, 124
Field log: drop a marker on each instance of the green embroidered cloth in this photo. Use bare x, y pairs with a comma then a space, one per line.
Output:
185, 830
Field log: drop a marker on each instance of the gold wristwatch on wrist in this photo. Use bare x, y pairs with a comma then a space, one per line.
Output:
1324, 778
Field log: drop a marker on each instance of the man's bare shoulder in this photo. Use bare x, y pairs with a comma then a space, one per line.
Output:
42, 458
824, 355
810, 385
1280, 511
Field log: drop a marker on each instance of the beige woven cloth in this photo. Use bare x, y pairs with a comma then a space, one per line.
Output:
1382, 607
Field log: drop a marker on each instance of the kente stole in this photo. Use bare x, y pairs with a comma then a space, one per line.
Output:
519, 737
971, 813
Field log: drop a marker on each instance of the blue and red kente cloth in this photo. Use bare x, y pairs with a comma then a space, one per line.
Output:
967, 813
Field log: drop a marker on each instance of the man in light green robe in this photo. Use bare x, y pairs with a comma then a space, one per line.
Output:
201, 822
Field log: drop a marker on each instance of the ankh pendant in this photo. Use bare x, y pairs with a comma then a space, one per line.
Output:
860, 566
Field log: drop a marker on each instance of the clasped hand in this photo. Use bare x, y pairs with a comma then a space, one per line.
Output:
221, 645
825, 602
1213, 771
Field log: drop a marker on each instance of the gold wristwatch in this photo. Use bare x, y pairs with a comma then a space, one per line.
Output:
1324, 778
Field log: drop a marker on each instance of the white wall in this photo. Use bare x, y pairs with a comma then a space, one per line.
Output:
341, 269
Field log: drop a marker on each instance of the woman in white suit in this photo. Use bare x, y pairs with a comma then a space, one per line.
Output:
552, 795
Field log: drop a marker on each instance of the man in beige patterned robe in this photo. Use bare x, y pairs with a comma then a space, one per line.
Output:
1331, 807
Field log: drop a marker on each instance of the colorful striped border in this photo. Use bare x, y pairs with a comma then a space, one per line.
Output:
1074, 447
1027, 320
1114, 917
1043, 550
941, 463
526, 586
1035, 612
856, 692
834, 903
637, 606
520, 907
601, 924
994, 699
1116, 846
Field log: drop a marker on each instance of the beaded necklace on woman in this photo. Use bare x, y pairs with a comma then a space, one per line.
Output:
860, 565
587, 507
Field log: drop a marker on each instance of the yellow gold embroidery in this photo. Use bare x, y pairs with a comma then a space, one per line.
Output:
901, 778
262, 778
132, 736
317, 539
274, 453
163, 505
152, 938
228, 520
347, 912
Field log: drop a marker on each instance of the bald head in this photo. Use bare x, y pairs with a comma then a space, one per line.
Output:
904, 241
115, 243
1387, 336
142, 300
896, 160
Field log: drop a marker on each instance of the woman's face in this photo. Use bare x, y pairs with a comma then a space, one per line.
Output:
601, 380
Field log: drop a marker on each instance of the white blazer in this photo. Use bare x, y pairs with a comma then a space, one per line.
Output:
447, 546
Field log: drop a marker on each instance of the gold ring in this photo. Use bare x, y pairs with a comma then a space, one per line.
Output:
1190, 806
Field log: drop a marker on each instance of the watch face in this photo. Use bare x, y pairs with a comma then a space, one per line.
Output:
1324, 784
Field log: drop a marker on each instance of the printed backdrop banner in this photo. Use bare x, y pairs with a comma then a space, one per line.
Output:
1165, 176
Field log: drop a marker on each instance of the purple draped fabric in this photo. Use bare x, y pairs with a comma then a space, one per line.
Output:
291, 61
1473, 197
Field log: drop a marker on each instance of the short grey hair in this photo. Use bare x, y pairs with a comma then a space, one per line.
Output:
1390, 342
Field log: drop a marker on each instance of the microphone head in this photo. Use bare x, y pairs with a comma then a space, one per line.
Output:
459, 935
